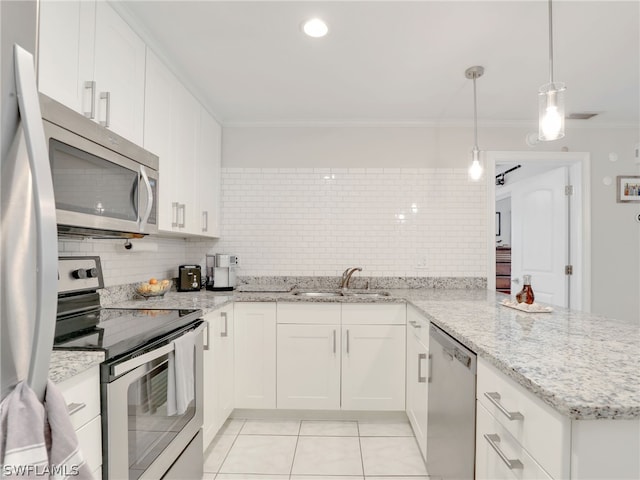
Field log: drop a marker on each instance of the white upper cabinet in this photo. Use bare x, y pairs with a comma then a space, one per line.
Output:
208, 160
119, 75
187, 141
66, 52
159, 106
91, 61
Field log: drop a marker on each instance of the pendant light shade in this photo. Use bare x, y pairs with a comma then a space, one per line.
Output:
475, 170
551, 99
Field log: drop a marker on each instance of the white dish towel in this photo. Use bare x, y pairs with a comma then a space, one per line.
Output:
181, 375
38, 441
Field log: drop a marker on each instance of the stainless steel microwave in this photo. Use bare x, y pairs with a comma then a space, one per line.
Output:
104, 185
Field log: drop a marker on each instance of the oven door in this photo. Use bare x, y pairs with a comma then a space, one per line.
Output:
98, 189
143, 439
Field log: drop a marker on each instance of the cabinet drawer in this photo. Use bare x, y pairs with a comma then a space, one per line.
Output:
503, 282
90, 442
489, 464
542, 431
308, 313
82, 394
374, 314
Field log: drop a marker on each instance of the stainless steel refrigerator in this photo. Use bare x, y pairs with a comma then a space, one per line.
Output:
28, 235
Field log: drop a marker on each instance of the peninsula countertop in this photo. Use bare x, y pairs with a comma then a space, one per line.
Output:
585, 366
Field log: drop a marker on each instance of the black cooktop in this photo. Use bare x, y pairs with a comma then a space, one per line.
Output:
119, 332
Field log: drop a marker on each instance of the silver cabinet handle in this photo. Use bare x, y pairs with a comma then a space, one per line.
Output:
174, 213
106, 96
205, 221
75, 407
414, 324
515, 280
226, 325
334, 340
494, 397
208, 344
347, 341
429, 370
91, 85
421, 356
183, 208
494, 440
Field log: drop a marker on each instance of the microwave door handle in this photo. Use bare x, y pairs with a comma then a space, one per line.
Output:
145, 217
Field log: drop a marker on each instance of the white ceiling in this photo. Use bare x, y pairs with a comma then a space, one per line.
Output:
398, 61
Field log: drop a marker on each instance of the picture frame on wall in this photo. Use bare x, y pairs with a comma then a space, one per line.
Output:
628, 188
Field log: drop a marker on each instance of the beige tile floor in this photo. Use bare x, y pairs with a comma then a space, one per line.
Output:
314, 450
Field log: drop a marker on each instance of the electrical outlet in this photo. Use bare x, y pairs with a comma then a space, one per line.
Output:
422, 263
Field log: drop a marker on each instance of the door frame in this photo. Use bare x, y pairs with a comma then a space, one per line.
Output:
579, 164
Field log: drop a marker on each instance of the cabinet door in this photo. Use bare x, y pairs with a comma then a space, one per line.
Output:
210, 382
255, 355
308, 366
160, 90
185, 121
223, 338
65, 52
417, 363
373, 367
208, 161
119, 74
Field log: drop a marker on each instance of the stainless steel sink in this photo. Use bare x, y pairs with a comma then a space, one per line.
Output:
366, 293
331, 293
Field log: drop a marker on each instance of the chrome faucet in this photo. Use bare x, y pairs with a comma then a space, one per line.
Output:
346, 276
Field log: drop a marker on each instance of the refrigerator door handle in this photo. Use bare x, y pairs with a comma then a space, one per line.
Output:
45, 216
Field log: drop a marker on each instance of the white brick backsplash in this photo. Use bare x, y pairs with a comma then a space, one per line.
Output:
391, 222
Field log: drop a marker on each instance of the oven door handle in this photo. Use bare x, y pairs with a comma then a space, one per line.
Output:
124, 367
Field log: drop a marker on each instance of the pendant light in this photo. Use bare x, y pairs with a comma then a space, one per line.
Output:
475, 170
551, 99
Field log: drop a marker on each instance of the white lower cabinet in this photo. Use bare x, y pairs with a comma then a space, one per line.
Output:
82, 394
417, 375
255, 355
218, 371
373, 367
309, 366
514, 424
499, 455
324, 363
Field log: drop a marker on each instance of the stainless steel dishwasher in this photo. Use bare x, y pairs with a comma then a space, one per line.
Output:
451, 404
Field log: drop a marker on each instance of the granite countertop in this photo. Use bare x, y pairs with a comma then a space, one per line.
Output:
585, 366
66, 364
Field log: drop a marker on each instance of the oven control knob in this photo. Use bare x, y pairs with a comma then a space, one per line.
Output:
92, 272
81, 273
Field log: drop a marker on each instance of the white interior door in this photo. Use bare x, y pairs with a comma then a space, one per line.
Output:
540, 228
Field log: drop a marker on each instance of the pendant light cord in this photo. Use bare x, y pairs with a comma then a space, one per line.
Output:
550, 43
475, 115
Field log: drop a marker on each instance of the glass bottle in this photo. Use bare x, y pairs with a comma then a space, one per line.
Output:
526, 294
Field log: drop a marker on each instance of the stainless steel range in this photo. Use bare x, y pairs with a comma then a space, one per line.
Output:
151, 379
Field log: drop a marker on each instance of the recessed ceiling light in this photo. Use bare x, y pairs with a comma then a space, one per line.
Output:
315, 28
